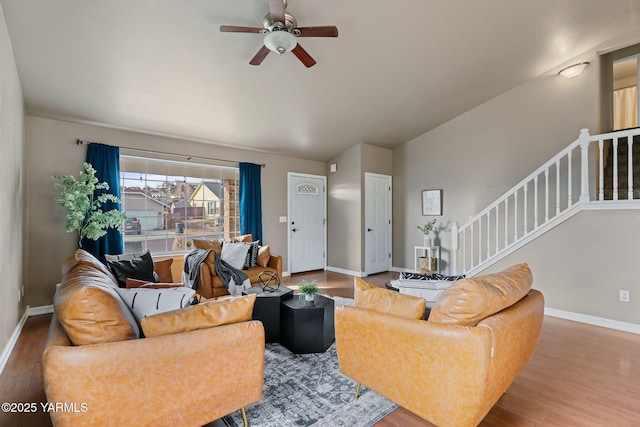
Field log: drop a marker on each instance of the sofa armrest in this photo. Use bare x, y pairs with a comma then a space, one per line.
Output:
435, 370
205, 282
187, 379
276, 262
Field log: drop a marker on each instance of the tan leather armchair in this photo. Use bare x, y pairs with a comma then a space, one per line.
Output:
448, 374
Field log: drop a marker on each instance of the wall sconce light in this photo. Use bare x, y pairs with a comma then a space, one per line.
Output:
573, 70
333, 167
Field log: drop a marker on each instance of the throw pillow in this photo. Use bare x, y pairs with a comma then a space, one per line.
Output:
146, 302
245, 238
264, 255
469, 301
252, 255
433, 276
135, 283
163, 270
374, 298
137, 268
234, 254
200, 316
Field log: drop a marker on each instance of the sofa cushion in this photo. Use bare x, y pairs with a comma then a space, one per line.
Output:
80, 256
469, 301
213, 244
89, 309
163, 270
135, 283
264, 255
147, 302
374, 298
136, 268
200, 316
235, 254
252, 255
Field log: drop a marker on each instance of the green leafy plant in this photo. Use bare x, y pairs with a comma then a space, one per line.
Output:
309, 288
84, 213
428, 227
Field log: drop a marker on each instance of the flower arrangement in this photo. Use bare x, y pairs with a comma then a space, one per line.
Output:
84, 213
428, 227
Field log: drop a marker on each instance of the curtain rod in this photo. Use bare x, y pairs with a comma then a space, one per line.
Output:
81, 142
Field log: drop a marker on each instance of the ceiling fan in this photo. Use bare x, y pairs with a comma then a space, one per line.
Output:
281, 31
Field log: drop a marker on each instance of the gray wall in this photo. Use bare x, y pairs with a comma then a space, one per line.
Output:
581, 265
481, 154
346, 250
12, 193
51, 149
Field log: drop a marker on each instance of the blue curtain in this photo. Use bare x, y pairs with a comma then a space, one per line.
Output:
106, 161
250, 200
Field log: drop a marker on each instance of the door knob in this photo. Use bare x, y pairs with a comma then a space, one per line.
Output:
294, 229
369, 229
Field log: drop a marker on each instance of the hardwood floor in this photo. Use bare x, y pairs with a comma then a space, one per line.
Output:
580, 375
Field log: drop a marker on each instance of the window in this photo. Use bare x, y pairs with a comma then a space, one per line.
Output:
170, 203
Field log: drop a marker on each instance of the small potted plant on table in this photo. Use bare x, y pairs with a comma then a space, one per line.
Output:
309, 289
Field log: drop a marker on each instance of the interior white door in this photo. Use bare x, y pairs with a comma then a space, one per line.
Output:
377, 199
306, 223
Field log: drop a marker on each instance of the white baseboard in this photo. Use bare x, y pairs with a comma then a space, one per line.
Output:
593, 320
286, 274
347, 272
402, 270
36, 311
29, 311
6, 353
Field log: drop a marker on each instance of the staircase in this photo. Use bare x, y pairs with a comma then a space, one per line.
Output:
593, 172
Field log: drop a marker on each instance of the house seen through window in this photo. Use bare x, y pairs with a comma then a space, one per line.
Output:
168, 204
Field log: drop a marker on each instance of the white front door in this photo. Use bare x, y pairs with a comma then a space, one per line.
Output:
306, 222
377, 199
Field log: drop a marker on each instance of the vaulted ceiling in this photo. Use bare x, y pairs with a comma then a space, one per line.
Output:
397, 69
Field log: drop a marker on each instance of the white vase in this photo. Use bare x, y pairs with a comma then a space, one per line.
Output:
309, 297
427, 241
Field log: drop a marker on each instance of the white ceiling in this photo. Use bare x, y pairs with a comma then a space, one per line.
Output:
397, 69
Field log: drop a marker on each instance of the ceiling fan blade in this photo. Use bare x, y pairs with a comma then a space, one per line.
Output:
277, 10
303, 56
259, 57
239, 29
330, 31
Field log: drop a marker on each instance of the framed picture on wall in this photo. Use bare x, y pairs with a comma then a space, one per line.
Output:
432, 202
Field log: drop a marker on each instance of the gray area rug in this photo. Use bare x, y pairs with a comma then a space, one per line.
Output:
309, 390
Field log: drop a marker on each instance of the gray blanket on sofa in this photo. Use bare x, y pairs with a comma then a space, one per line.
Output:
233, 279
191, 270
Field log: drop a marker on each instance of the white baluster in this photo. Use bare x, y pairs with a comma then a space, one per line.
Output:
454, 248
584, 165
489, 234
601, 167
535, 202
506, 222
630, 167
615, 168
524, 219
464, 251
557, 187
546, 195
569, 185
515, 216
471, 243
479, 240
497, 228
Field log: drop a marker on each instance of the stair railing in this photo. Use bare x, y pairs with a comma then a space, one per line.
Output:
551, 194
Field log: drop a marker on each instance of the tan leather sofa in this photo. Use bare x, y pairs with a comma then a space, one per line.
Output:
210, 285
98, 369
451, 369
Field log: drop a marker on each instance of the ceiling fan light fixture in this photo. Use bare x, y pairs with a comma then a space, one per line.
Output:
573, 70
280, 41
